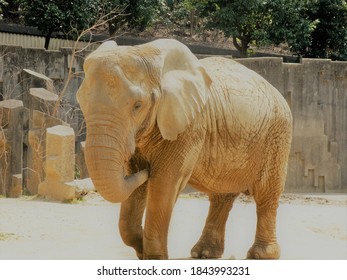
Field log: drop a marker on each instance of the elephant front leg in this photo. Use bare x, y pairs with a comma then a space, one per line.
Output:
130, 220
211, 242
162, 196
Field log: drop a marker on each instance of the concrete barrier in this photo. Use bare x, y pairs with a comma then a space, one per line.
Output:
315, 89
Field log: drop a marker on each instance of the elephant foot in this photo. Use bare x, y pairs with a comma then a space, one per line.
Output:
264, 251
155, 257
139, 255
134, 241
143, 256
207, 250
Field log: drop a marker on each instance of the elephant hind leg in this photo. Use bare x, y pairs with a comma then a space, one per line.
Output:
267, 200
267, 191
265, 245
211, 242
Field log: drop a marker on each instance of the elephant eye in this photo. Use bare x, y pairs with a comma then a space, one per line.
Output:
137, 106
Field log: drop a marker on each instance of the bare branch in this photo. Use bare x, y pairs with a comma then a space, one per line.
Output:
102, 20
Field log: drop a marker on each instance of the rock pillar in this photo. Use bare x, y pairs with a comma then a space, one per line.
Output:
59, 164
31, 79
42, 100
12, 114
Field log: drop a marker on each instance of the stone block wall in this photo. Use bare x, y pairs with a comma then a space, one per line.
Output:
315, 89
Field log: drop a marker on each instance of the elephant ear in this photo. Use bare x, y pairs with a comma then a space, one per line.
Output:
184, 86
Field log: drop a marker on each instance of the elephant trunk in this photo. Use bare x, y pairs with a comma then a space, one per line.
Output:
105, 161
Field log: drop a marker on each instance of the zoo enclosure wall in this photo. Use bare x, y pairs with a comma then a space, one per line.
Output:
315, 89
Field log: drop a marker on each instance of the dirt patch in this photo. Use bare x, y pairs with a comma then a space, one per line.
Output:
289, 198
8, 236
309, 227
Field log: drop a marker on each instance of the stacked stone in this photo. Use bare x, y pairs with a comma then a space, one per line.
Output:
26, 160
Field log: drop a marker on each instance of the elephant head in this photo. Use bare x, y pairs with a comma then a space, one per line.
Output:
129, 91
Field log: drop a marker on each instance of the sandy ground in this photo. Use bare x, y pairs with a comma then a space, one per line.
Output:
309, 227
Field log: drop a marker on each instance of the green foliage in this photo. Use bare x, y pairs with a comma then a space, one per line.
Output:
244, 21
9, 11
311, 28
262, 21
143, 13
314, 28
290, 24
137, 14
3, 3
329, 39
58, 15
180, 14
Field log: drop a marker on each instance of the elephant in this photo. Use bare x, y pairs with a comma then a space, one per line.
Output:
158, 118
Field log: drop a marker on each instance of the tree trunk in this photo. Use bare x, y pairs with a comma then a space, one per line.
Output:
192, 22
47, 39
243, 48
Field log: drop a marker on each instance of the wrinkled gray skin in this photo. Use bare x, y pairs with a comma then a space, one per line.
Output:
158, 118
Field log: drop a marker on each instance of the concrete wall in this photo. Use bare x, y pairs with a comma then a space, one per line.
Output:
316, 91
53, 64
